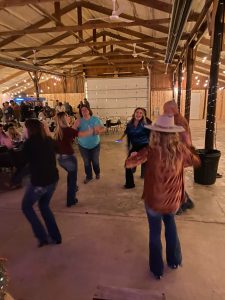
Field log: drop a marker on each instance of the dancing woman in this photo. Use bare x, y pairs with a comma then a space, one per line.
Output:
165, 157
65, 136
40, 154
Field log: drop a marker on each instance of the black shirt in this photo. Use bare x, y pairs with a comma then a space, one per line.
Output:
40, 154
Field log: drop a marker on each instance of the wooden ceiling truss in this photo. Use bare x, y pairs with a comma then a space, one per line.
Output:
111, 44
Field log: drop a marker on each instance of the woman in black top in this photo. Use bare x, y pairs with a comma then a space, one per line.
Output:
39, 150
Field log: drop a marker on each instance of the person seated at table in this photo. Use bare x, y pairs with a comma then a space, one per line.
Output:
14, 134
5, 140
42, 115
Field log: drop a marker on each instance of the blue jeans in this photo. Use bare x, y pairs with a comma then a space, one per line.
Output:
42, 195
173, 249
69, 163
91, 159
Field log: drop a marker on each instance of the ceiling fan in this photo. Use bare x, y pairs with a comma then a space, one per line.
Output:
135, 54
115, 16
116, 73
35, 61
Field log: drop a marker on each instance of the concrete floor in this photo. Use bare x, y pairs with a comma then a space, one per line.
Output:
105, 237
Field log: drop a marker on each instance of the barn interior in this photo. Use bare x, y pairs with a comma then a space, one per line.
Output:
119, 54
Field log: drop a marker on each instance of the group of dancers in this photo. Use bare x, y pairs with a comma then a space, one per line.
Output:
164, 149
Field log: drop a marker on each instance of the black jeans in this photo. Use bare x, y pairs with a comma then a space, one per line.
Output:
129, 172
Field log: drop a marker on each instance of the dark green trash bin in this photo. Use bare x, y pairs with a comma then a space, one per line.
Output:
206, 173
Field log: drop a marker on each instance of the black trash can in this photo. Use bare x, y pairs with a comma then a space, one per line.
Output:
206, 173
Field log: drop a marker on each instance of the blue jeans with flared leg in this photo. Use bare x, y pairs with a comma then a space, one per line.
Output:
42, 195
69, 164
173, 249
91, 159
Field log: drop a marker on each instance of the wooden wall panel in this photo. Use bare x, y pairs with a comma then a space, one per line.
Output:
158, 98
161, 81
51, 86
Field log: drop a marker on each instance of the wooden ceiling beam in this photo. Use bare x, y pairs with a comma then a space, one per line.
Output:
50, 42
79, 18
11, 3
57, 13
206, 69
148, 47
108, 12
85, 26
85, 44
23, 66
8, 78
96, 62
89, 54
40, 23
130, 65
163, 6
81, 55
206, 73
156, 4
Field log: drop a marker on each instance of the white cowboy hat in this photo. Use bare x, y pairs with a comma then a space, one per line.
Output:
165, 123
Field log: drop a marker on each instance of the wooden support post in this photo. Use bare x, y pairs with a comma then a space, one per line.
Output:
35, 78
190, 63
79, 18
213, 79
149, 103
111, 48
179, 85
94, 39
57, 13
104, 39
64, 82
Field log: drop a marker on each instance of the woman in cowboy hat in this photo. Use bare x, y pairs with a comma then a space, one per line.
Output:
163, 193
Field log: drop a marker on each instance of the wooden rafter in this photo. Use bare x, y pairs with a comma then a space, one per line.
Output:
206, 73
11, 3
86, 26
40, 23
79, 45
8, 78
156, 4
57, 13
161, 5
50, 42
102, 62
79, 18
206, 69
147, 47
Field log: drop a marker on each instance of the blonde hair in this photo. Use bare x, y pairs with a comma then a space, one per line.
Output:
13, 133
168, 146
61, 123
